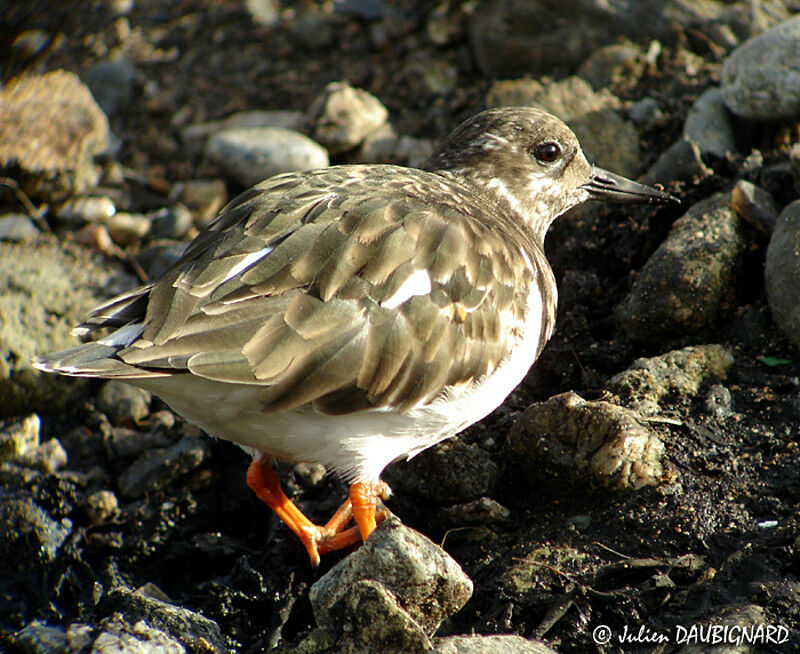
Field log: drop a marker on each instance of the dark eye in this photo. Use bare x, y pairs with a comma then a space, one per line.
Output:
547, 152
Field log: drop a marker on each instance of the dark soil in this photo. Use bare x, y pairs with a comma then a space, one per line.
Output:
726, 534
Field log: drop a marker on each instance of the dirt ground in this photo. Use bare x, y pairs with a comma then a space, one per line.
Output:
720, 544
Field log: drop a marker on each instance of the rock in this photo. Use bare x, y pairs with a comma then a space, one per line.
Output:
755, 206
39, 305
344, 116
718, 402
204, 197
122, 402
312, 29
30, 538
17, 227
678, 373
760, 80
375, 622
782, 272
171, 222
51, 128
160, 257
19, 436
195, 136
567, 438
709, 125
510, 38
128, 443
100, 507
436, 76
379, 146
41, 638
502, 644
689, 283
86, 208
119, 636
112, 84
423, 580
483, 511
452, 471
606, 139
252, 154
612, 63
48, 457
264, 12
127, 228
156, 468
19, 443
364, 9
413, 151
30, 43
646, 113
680, 161
189, 629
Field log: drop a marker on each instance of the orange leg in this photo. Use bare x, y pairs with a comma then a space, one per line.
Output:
266, 484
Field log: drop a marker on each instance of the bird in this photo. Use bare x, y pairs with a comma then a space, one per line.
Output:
358, 314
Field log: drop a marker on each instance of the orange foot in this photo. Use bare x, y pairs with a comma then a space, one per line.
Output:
266, 484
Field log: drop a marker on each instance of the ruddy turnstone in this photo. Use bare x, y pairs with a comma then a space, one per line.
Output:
355, 315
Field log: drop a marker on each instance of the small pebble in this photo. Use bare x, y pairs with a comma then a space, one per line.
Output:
127, 228
86, 208
17, 227
100, 507
122, 402
345, 115
49, 457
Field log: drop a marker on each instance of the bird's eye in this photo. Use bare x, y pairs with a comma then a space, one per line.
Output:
547, 152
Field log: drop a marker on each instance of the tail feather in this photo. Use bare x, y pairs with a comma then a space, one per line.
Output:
118, 311
97, 359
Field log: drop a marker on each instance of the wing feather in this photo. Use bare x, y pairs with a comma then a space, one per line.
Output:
284, 291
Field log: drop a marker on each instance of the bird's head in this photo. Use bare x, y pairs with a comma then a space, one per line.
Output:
531, 162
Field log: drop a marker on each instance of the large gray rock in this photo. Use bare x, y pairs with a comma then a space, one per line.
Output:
567, 438
709, 124
679, 373
689, 282
515, 37
500, 644
178, 628
156, 468
419, 578
45, 289
252, 154
452, 471
782, 272
51, 128
760, 80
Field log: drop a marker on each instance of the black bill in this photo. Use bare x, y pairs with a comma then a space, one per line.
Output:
603, 185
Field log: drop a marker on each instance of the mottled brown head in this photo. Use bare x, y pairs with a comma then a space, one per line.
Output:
531, 163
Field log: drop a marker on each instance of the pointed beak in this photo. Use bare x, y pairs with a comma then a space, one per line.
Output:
607, 186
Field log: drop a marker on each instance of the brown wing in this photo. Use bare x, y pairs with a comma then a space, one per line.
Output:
296, 285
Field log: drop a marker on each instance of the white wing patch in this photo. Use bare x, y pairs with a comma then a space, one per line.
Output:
419, 283
245, 263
